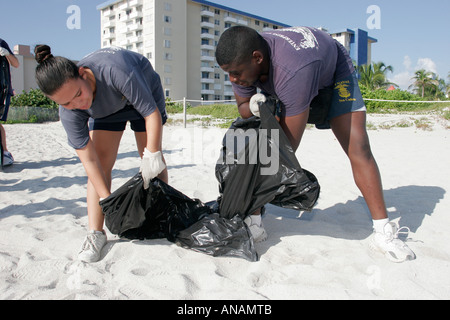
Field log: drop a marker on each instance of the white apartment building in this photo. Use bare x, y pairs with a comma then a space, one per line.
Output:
179, 38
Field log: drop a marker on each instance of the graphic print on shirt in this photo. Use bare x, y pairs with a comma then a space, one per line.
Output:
309, 40
344, 93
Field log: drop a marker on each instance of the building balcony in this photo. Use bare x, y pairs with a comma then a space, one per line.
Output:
107, 13
242, 22
207, 25
124, 6
230, 19
208, 92
134, 3
206, 13
207, 69
208, 47
109, 35
207, 80
109, 24
207, 36
136, 14
135, 27
208, 58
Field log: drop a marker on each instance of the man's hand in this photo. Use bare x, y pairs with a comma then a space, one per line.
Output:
255, 102
152, 165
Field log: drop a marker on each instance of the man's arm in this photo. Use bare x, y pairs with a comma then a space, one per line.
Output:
244, 106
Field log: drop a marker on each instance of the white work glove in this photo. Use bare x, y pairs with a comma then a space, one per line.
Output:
4, 52
151, 166
256, 101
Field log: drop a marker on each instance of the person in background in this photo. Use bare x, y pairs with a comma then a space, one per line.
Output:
296, 65
97, 98
6, 53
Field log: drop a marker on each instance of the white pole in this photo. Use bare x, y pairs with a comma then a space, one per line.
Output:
184, 112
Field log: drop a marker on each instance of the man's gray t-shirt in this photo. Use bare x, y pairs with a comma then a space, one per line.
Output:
122, 78
303, 61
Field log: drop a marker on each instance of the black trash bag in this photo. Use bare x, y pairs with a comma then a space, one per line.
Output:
163, 212
158, 212
219, 237
258, 166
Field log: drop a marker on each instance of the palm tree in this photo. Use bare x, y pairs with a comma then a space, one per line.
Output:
447, 91
374, 76
423, 79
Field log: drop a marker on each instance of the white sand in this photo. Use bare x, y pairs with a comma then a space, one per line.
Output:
321, 255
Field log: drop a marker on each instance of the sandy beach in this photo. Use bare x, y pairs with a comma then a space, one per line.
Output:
322, 254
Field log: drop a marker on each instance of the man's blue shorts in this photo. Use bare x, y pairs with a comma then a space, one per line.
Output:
346, 98
118, 121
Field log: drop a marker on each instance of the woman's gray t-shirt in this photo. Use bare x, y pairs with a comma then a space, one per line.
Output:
122, 78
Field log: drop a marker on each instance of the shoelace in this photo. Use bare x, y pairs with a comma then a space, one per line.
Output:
90, 243
393, 236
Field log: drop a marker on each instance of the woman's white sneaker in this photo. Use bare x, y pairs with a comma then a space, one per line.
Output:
92, 247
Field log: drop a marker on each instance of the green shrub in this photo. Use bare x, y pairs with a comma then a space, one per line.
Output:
218, 111
397, 94
33, 98
175, 107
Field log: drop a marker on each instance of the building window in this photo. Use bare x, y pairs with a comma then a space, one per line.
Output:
216, 75
167, 31
168, 6
168, 56
167, 44
205, 42
168, 19
227, 25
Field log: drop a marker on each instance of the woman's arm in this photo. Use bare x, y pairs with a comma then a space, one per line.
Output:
91, 163
153, 124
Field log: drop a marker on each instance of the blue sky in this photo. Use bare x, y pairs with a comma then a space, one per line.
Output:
413, 34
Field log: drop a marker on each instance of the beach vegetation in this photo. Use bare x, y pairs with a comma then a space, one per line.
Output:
374, 76
33, 98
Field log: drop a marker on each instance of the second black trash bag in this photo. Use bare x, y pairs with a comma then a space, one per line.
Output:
258, 166
158, 212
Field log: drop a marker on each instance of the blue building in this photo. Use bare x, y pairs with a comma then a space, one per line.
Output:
358, 43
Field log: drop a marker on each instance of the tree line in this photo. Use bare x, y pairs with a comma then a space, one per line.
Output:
426, 84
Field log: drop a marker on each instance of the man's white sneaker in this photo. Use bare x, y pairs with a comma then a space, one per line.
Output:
92, 246
387, 242
254, 223
7, 158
